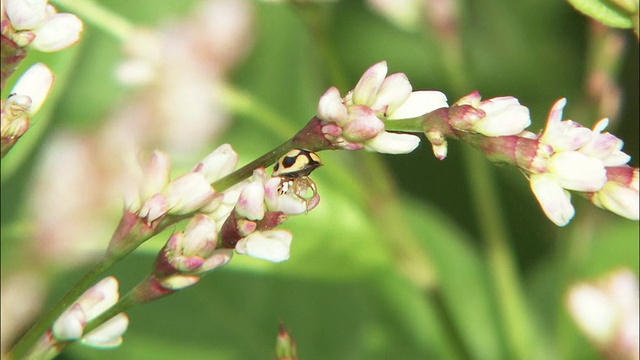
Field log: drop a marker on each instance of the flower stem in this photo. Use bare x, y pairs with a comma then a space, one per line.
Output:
45, 322
244, 172
516, 321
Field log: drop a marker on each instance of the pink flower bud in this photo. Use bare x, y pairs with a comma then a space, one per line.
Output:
201, 237
363, 124
217, 164
93, 302
155, 174
331, 108
188, 193
251, 201
219, 258
394, 91
154, 208
605, 147
619, 199
504, 116
367, 88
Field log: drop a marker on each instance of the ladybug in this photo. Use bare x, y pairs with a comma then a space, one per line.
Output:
293, 169
296, 164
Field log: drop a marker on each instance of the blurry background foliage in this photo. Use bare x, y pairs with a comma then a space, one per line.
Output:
340, 293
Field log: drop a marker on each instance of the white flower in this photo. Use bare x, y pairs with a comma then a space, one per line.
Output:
52, 31
607, 312
271, 245
564, 135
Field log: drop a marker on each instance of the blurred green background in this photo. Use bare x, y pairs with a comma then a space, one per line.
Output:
341, 294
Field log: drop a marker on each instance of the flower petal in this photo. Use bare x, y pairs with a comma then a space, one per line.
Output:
271, 245
36, 83
367, 88
554, 200
419, 103
394, 91
392, 143
331, 108
577, 171
219, 163
26, 14
60, 32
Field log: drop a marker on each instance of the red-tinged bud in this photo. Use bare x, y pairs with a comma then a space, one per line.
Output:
285, 345
151, 288
271, 220
464, 117
229, 234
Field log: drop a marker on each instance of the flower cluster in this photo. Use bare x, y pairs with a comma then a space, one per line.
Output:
242, 217
34, 24
38, 24
606, 311
358, 120
572, 157
157, 196
70, 325
566, 156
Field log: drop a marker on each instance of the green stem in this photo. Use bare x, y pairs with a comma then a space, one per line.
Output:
244, 172
101, 17
45, 322
516, 322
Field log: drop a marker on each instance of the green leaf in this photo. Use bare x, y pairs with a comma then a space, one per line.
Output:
605, 12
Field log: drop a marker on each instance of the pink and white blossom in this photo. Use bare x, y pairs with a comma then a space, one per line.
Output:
92, 303
359, 117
